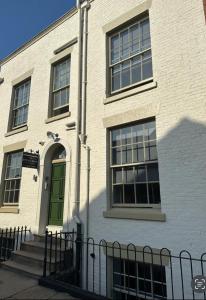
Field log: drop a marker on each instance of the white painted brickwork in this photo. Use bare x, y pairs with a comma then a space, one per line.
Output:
178, 36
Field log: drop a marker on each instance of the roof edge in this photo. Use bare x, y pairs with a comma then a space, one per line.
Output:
39, 35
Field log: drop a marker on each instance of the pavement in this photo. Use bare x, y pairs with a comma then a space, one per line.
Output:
17, 286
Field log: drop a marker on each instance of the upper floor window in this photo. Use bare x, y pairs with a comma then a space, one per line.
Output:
134, 165
12, 177
60, 87
130, 59
20, 104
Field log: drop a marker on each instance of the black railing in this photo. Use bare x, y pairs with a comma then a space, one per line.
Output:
58, 254
11, 239
115, 271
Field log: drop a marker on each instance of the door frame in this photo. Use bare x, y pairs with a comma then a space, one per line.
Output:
43, 198
56, 162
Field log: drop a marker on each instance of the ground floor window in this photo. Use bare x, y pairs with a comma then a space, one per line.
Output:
132, 280
12, 177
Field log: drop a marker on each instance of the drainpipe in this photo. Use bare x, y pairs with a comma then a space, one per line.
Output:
75, 212
81, 118
87, 191
84, 71
81, 105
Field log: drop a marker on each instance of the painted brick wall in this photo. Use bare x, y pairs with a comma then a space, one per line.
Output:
179, 64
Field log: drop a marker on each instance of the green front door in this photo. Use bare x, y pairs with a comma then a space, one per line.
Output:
56, 203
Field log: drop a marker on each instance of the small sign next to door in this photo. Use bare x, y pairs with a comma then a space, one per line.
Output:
30, 160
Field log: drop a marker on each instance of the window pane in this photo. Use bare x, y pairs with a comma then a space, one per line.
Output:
64, 96
116, 78
144, 270
16, 196
160, 289
128, 175
153, 173
26, 92
150, 151
118, 280
137, 133
126, 154
138, 152
118, 265
125, 78
124, 38
13, 184
130, 267
154, 193
116, 156
117, 175
117, 194
20, 116
141, 193
57, 99
145, 34
7, 185
115, 49
140, 174
147, 68
134, 36
116, 137
11, 197
17, 184
126, 135
119, 296
136, 69
25, 114
149, 131
129, 195
159, 273
6, 197
61, 74
145, 286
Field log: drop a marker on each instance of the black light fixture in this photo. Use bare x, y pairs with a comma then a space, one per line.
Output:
54, 136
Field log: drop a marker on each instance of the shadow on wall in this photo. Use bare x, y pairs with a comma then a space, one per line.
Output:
182, 171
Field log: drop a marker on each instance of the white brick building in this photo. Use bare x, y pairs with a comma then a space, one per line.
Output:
139, 77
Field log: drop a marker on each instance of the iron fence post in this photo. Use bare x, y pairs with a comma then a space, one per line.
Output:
45, 254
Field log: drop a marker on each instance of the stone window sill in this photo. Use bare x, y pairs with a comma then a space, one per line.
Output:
137, 90
59, 117
145, 214
17, 130
9, 209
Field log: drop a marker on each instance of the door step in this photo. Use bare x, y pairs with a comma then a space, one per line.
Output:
22, 269
29, 260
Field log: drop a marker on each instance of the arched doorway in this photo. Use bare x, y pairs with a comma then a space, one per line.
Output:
57, 186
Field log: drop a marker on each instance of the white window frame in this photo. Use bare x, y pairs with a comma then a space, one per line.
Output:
129, 58
26, 105
54, 91
134, 164
11, 180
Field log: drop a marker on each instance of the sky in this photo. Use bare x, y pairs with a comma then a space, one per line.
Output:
20, 20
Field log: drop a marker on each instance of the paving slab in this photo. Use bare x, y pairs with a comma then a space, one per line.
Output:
17, 286
12, 283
